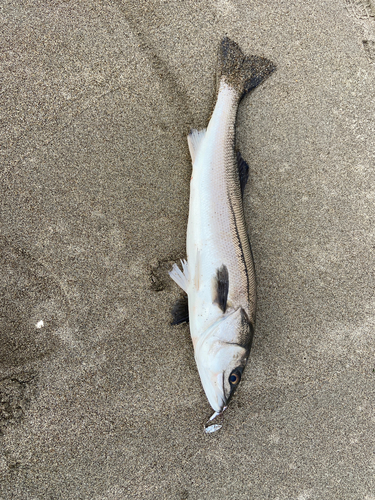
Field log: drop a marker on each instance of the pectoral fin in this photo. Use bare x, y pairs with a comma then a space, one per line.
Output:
180, 311
222, 287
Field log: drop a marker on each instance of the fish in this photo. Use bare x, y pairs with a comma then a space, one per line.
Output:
218, 276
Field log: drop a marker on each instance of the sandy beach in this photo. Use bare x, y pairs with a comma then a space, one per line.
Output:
100, 397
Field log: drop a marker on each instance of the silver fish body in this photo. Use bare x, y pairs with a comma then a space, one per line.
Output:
219, 276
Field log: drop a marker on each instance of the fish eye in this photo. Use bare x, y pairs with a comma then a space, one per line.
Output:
235, 377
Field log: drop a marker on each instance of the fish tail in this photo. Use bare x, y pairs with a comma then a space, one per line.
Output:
241, 72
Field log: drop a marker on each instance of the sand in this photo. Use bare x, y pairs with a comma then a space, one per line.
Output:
103, 401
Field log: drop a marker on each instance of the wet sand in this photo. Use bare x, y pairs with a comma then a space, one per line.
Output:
103, 400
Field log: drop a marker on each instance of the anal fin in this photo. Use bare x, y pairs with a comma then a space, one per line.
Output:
195, 139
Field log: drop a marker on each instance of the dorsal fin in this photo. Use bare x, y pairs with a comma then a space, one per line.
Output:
194, 140
243, 171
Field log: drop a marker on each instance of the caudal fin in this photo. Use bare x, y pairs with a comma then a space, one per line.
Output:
241, 72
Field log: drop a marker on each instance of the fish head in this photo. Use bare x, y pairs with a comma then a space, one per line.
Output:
221, 355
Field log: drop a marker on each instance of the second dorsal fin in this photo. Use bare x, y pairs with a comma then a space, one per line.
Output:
243, 171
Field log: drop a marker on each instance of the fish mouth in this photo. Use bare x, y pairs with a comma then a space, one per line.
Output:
213, 386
